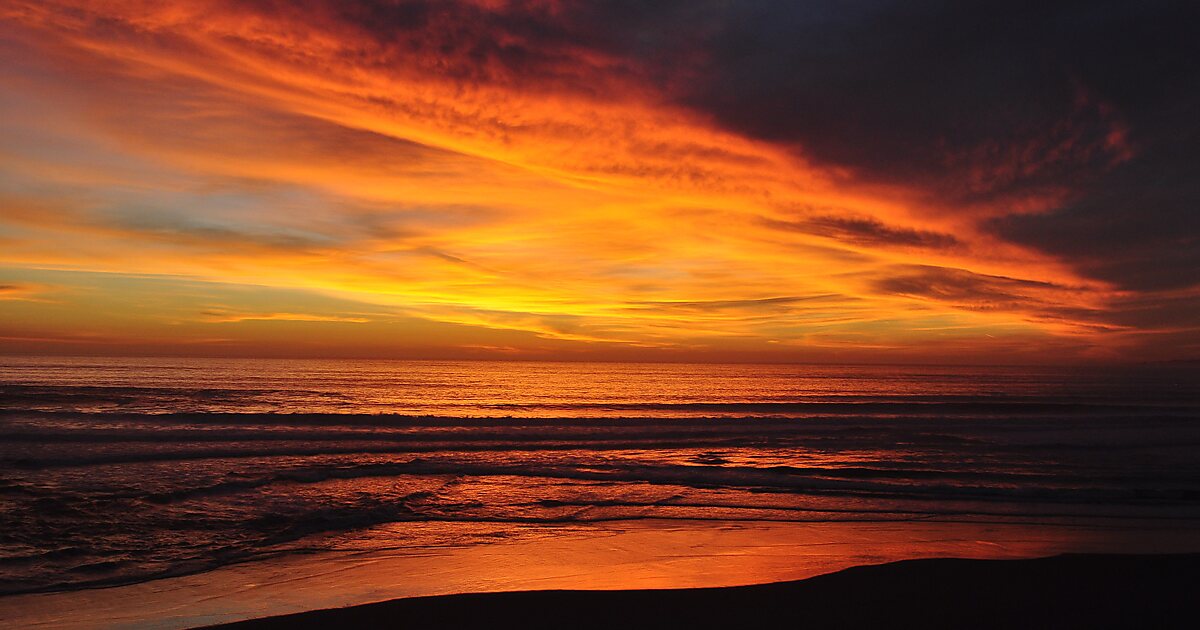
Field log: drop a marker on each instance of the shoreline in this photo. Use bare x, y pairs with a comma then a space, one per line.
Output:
1063, 591
622, 556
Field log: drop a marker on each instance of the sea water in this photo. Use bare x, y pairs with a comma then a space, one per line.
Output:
121, 470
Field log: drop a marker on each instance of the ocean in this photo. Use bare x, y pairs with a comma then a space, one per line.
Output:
121, 470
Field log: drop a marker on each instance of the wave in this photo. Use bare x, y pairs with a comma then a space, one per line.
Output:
164, 467
297, 401
849, 417
987, 407
853, 481
278, 534
33, 440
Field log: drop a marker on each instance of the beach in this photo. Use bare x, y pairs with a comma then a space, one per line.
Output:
1069, 591
610, 557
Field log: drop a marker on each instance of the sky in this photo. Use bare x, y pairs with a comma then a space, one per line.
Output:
858, 181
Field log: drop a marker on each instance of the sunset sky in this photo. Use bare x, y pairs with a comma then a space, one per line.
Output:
701, 180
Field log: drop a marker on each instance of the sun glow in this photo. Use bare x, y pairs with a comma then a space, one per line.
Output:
164, 163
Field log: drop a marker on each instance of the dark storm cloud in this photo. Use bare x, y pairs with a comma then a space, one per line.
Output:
1138, 226
585, 46
1161, 313
1094, 103
864, 231
965, 289
976, 99
1139, 229
1167, 322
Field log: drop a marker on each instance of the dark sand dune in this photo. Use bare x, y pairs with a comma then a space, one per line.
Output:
1069, 591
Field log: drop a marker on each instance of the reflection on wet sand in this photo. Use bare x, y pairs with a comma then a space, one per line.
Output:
605, 556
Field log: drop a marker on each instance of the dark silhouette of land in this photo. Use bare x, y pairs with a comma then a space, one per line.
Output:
1068, 591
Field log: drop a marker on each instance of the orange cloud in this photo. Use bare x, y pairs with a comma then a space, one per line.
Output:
484, 176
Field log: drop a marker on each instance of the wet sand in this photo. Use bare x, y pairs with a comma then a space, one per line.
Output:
1068, 591
619, 556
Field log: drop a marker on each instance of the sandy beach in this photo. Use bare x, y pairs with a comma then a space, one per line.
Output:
626, 556
1068, 591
